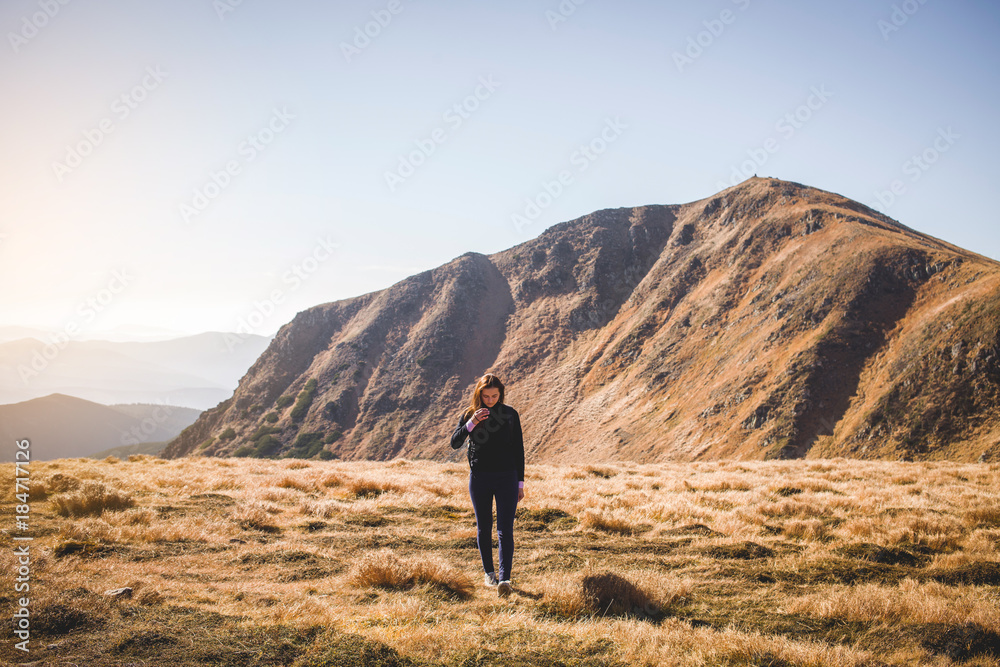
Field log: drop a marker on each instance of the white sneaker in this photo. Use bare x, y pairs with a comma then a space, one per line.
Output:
504, 588
490, 579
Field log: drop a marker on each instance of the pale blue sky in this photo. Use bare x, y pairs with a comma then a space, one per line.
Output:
337, 125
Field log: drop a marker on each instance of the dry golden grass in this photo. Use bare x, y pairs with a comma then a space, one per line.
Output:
307, 563
596, 521
384, 569
910, 601
91, 498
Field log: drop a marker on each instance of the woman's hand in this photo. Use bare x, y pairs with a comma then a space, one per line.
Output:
520, 494
481, 414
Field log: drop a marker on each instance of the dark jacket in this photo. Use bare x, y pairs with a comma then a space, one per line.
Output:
495, 444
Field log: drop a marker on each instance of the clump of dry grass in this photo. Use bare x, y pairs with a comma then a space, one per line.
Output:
322, 508
610, 593
810, 529
370, 488
330, 480
792, 507
297, 483
983, 517
57, 483
606, 592
256, 516
592, 520
385, 569
938, 533
603, 472
92, 498
729, 483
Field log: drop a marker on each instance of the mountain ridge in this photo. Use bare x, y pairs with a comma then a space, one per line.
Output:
771, 320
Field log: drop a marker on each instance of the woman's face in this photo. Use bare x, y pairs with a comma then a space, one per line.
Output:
490, 396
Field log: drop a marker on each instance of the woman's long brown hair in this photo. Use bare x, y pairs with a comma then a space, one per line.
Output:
488, 381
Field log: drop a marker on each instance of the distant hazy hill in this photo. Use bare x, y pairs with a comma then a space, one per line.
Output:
772, 320
61, 426
120, 333
125, 451
194, 371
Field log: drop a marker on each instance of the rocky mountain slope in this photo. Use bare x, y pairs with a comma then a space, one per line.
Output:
771, 320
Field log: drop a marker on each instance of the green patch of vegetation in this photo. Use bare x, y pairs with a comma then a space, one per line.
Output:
306, 445
263, 430
333, 436
267, 446
228, 434
304, 400
283, 402
271, 417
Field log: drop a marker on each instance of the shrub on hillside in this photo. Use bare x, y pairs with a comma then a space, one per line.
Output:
304, 400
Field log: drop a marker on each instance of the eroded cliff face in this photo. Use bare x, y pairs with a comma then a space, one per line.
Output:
771, 320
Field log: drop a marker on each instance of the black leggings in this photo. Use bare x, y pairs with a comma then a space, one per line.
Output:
483, 487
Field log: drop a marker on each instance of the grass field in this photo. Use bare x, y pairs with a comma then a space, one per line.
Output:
306, 563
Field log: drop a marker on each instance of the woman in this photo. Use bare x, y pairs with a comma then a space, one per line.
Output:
496, 464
